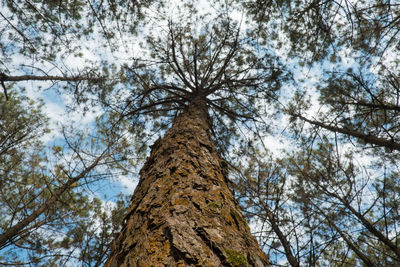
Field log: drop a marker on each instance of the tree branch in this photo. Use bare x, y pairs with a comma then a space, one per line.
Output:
391, 144
10, 233
6, 78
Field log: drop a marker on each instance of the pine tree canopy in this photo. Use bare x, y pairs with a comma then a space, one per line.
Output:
302, 100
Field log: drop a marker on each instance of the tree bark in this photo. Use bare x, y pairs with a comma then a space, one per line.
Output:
182, 212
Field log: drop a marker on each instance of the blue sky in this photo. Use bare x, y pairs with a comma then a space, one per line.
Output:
129, 47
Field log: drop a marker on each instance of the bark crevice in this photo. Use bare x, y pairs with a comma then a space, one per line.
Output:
213, 247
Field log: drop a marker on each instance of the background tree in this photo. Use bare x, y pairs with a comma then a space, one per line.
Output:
58, 41
346, 126
50, 216
339, 107
349, 198
47, 217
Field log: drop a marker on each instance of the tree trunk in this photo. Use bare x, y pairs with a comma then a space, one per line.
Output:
182, 212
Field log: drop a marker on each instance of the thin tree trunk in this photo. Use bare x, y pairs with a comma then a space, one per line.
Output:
182, 212
282, 238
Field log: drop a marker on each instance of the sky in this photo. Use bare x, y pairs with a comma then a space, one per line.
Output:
128, 47
93, 51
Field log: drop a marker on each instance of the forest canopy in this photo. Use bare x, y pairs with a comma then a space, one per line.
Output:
304, 104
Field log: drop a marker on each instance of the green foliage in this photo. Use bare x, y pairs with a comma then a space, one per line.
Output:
21, 161
77, 225
364, 103
328, 199
340, 195
317, 30
67, 23
307, 199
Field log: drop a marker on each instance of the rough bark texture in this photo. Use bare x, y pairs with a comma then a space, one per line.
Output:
182, 212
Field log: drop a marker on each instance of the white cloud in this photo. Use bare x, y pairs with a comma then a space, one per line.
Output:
76, 62
128, 183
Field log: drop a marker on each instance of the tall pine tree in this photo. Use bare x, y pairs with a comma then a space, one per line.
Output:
182, 210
